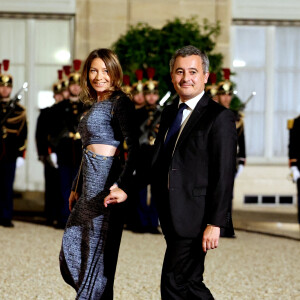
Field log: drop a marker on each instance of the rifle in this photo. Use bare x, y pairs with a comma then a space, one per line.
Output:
11, 105
243, 104
148, 130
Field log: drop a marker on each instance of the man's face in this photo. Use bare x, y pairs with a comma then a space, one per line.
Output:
187, 76
151, 98
139, 98
75, 89
225, 100
58, 97
66, 94
5, 91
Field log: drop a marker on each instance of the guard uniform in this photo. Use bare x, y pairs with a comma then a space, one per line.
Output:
294, 152
66, 143
12, 144
225, 87
147, 212
53, 197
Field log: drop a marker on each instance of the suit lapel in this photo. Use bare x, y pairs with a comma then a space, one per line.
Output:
170, 116
194, 118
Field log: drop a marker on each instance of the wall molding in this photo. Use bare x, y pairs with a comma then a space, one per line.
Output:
38, 6
266, 9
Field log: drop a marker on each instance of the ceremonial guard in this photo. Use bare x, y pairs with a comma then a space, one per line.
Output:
45, 121
12, 144
224, 97
65, 139
136, 90
212, 88
294, 155
146, 207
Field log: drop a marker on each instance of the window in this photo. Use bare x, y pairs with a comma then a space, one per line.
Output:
266, 60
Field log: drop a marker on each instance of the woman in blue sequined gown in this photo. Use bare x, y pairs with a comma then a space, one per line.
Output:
92, 236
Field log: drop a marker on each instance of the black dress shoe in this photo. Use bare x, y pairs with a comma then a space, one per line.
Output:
6, 223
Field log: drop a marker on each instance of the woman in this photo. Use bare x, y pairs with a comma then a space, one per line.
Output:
93, 232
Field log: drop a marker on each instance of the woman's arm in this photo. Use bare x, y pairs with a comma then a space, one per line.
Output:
124, 117
125, 125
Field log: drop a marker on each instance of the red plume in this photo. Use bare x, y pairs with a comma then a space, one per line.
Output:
150, 73
0, 68
60, 73
226, 73
126, 80
76, 64
5, 64
139, 74
213, 78
67, 70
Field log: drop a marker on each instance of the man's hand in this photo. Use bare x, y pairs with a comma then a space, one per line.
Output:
72, 199
295, 173
116, 195
210, 238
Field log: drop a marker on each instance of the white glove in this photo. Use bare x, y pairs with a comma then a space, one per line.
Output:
295, 173
239, 170
20, 162
53, 159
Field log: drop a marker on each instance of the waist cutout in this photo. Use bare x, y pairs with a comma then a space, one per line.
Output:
102, 149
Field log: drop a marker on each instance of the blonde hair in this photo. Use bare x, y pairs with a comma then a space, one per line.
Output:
88, 94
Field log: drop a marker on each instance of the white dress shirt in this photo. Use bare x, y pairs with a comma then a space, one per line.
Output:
191, 105
187, 112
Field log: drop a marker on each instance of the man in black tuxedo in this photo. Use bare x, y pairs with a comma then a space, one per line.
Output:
193, 171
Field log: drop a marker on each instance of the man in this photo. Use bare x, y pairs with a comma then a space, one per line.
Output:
137, 90
52, 184
224, 97
294, 155
65, 140
192, 177
13, 135
146, 208
132, 220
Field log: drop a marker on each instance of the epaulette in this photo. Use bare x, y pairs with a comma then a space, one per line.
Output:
290, 124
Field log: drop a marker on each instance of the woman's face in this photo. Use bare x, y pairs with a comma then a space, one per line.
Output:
98, 76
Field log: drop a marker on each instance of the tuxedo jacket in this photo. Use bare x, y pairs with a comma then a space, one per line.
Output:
195, 189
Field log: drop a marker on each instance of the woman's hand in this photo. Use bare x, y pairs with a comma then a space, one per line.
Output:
72, 199
116, 195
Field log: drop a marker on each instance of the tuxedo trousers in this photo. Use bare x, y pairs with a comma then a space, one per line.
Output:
183, 268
